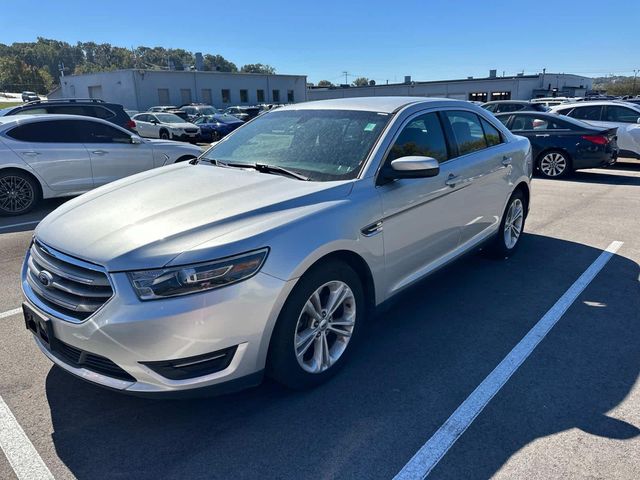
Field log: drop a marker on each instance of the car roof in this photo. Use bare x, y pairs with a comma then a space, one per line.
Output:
371, 104
596, 103
17, 119
507, 101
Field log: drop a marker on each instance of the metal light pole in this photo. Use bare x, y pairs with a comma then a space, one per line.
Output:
635, 75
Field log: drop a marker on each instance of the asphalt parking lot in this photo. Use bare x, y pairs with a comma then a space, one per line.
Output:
572, 409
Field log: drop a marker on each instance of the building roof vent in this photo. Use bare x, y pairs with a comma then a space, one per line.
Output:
493, 73
407, 79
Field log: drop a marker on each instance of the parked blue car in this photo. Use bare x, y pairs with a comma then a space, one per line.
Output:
214, 127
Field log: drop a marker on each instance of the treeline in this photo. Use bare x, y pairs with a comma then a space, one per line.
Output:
617, 85
36, 65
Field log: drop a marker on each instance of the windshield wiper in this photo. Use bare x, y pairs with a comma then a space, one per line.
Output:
264, 168
260, 167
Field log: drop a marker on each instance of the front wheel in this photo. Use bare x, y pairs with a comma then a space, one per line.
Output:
507, 238
317, 327
164, 135
19, 193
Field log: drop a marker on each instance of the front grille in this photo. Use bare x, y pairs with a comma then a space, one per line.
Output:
66, 287
95, 363
191, 130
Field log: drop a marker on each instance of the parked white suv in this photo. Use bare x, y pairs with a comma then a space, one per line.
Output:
625, 116
45, 156
269, 253
166, 126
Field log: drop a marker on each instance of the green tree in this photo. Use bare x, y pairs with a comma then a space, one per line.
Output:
258, 68
361, 82
217, 63
325, 83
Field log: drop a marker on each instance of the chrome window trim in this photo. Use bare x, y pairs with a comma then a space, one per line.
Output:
32, 297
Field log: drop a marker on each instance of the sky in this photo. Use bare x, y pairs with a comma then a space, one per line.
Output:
380, 40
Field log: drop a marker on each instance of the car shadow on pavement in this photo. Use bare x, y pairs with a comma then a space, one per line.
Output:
28, 221
421, 357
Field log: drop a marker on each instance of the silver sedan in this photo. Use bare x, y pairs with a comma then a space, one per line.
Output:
268, 254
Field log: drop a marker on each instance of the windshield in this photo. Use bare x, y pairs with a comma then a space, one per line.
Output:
169, 118
323, 145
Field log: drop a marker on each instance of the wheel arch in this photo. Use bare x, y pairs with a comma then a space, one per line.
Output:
526, 192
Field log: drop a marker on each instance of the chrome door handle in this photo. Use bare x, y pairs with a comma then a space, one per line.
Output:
31, 153
506, 161
542, 135
99, 152
452, 180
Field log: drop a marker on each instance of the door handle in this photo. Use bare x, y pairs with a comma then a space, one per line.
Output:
99, 152
542, 135
452, 180
31, 153
506, 161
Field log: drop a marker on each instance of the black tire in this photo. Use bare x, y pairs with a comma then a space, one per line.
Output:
164, 135
554, 164
282, 363
16, 188
498, 248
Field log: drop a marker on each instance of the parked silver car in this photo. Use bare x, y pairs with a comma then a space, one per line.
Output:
45, 156
269, 253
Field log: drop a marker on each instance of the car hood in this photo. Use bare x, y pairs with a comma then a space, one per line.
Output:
147, 220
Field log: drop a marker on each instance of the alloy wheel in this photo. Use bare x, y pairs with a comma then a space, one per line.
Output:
325, 326
513, 223
553, 164
16, 194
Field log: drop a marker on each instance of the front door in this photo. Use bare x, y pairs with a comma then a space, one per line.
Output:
422, 217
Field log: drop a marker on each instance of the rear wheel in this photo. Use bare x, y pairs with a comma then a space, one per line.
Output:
317, 327
507, 238
554, 164
164, 135
19, 193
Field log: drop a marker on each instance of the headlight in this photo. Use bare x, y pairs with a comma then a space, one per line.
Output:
175, 281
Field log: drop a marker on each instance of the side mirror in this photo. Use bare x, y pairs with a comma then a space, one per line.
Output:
411, 167
136, 140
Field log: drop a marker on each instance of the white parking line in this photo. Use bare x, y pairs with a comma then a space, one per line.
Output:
4, 227
22, 455
439, 444
8, 313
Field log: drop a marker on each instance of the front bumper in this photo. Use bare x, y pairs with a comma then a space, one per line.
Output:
129, 333
186, 137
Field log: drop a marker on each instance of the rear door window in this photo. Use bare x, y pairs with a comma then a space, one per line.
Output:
468, 134
491, 133
588, 112
59, 131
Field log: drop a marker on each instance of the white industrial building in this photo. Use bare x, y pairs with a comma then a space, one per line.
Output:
138, 89
493, 87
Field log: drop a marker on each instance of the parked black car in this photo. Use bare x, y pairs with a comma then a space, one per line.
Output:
562, 144
111, 112
504, 106
243, 113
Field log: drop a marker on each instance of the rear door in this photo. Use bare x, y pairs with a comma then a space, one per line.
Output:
54, 151
113, 156
542, 132
144, 126
481, 170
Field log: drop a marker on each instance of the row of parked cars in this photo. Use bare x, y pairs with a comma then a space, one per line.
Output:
573, 135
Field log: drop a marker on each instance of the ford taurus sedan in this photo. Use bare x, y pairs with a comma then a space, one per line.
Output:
268, 254
46, 156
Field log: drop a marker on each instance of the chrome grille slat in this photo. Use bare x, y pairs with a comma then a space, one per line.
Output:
70, 288
66, 270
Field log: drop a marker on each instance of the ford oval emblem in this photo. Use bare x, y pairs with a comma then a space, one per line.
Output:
45, 278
